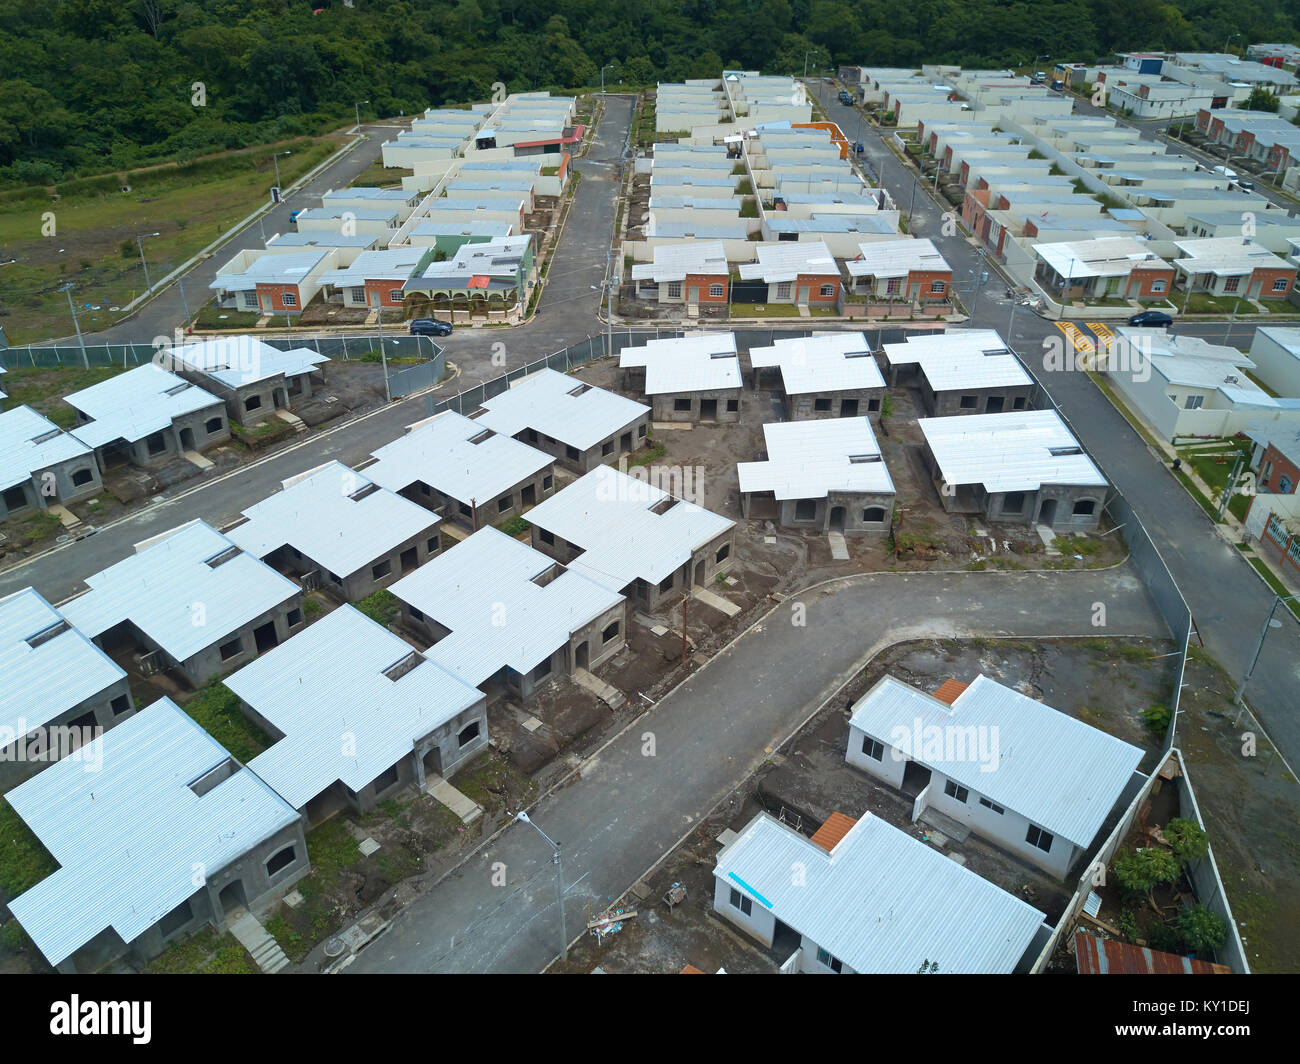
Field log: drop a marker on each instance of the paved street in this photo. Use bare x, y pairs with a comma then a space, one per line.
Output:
709, 734
1228, 600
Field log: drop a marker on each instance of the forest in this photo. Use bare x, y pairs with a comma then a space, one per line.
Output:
92, 85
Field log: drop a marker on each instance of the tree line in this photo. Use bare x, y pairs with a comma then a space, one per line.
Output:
92, 85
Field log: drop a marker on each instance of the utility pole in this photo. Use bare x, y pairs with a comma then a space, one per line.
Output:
180, 284
685, 598
1226, 497
67, 291
139, 242
1269, 623
357, 106
383, 355
559, 882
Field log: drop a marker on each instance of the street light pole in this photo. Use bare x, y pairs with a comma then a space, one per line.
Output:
602, 77
67, 291
275, 158
383, 355
1269, 623
139, 242
559, 883
180, 284
357, 107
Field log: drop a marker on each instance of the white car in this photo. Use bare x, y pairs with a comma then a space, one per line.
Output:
1223, 171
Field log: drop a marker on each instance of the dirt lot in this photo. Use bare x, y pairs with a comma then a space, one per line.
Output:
809, 779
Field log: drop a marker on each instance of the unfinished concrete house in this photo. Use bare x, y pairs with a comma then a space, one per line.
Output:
960, 372
1022, 468
871, 900
832, 376
692, 378
632, 537
464, 471
826, 476
504, 618
147, 417
57, 689
581, 426
189, 601
167, 801
253, 378
334, 528
41, 465
1027, 777
410, 720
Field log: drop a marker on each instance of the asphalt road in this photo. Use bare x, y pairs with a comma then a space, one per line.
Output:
708, 735
1228, 600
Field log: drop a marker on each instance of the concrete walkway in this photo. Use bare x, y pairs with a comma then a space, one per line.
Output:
625, 809
254, 938
462, 805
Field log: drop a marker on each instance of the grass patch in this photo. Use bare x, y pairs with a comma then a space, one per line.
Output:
211, 316
489, 778
24, 861
1196, 494
204, 952
764, 310
43, 388
382, 606
217, 709
1204, 303
35, 527
1278, 587
377, 175
330, 849
1078, 545
254, 438
651, 452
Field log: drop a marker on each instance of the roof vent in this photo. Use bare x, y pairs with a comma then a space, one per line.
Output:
663, 505
1065, 452
214, 776
45, 437
46, 634
412, 660
480, 437
223, 557
363, 491
581, 389
863, 459
178, 388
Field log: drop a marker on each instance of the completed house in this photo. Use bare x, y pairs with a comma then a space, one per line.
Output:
499, 269
826, 475
334, 528
1276, 457
1022, 468
271, 282
403, 717
1233, 266
911, 269
188, 600
1027, 777
253, 378
463, 470
691, 378
1276, 354
632, 537
861, 896
691, 273
51, 678
170, 833
967, 371
803, 272
40, 464
503, 617
581, 425
147, 416
1114, 267
375, 278
831, 376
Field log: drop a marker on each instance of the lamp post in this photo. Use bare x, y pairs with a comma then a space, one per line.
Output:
607, 66
357, 108
67, 291
559, 882
139, 242
275, 158
1230, 37
180, 284
811, 51
1269, 623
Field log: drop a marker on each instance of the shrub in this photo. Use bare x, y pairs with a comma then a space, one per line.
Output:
1202, 930
1187, 838
1141, 871
381, 607
1156, 718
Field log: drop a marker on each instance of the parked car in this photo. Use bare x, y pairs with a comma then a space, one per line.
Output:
1058, 86
430, 327
1244, 185
845, 98
1151, 318
1223, 171
293, 215
1038, 78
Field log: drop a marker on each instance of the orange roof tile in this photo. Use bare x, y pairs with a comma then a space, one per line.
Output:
949, 690
836, 827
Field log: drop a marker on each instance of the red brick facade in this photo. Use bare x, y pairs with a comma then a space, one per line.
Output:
1276, 472
277, 292
703, 282
813, 282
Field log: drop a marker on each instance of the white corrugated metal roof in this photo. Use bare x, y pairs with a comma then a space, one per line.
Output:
439, 453
545, 401
787, 260
168, 590
1229, 255
835, 362
328, 681
238, 360
1008, 452
30, 443
271, 268
329, 516
392, 264
1108, 256
39, 683
130, 837
809, 459
1056, 771
672, 262
483, 590
880, 901
609, 515
135, 404
686, 364
962, 358
896, 258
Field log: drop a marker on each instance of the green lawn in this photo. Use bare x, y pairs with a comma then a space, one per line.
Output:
1213, 466
24, 862
377, 175
382, 607
211, 316
1278, 587
764, 310
43, 388
1204, 303
93, 242
204, 952
218, 710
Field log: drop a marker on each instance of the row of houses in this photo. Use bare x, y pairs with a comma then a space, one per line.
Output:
868, 897
149, 416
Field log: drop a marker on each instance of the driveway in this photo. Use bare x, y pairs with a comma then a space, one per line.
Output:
627, 808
